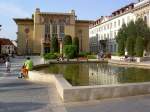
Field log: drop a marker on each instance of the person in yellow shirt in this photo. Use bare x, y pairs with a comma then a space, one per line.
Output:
28, 64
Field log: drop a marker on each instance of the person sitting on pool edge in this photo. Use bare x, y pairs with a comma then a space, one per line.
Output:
24, 72
28, 64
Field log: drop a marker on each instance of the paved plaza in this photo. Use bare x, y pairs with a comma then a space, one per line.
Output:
19, 95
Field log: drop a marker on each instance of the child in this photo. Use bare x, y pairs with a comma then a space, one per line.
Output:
8, 65
24, 72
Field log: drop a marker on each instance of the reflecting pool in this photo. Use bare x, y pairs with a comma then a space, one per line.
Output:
86, 74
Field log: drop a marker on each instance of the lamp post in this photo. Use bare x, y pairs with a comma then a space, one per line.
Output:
27, 32
0, 27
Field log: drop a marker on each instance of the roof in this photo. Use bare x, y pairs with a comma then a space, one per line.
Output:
84, 21
55, 13
4, 41
123, 8
23, 19
114, 14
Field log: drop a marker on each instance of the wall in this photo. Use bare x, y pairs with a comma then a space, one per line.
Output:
7, 49
70, 30
21, 37
69, 93
38, 34
82, 32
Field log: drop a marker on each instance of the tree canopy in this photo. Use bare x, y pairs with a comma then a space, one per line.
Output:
67, 40
128, 34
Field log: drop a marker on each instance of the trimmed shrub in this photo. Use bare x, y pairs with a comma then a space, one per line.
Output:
121, 39
121, 47
70, 51
91, 57
139, 46
83, 54
48, 56
130, 46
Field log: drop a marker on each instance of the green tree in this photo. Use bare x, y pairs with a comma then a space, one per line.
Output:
127, 37
70, 51
121, 47
121, 39
139, 46
130, 46
143, 31
131, 30
67, 40
76, 43
54, 44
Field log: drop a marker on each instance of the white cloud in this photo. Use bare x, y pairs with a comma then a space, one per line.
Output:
11, 9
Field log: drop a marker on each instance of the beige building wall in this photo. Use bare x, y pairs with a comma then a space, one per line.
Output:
37, 40
142, 12
70, 30
82, 32
38, 33
22, 37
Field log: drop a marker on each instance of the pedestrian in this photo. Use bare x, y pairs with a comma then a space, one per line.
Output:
24, 72
28, 64
8, 65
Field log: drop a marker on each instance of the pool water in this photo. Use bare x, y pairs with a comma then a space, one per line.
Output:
86, 74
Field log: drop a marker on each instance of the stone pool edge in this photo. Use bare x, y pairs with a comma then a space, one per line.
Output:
69, 93
130, 64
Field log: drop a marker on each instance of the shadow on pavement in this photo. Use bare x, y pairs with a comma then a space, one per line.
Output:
23, 89
20, 106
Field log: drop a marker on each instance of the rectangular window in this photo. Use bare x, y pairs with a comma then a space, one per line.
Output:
62, 30
47, 32
114, 24
47, 28
108, 26
118, 22
54, 31
123, 21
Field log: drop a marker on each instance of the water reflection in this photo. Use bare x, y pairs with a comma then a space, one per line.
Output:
99, 74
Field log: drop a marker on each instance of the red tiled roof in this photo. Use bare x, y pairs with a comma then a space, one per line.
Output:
4, 41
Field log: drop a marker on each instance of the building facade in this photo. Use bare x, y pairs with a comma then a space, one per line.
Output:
103, 31
6, 46
34, 34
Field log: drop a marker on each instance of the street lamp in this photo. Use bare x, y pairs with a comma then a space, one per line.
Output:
0, 27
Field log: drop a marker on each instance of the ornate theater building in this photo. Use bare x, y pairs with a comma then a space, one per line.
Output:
34, 34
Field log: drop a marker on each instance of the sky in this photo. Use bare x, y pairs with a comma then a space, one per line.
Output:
85, 9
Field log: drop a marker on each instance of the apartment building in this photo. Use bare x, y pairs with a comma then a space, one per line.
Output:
103, 31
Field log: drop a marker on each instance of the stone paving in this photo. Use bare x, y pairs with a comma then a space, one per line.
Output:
19, 95
128, 104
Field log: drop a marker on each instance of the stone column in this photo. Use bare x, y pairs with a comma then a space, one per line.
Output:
42, 47
61, 47
58, 31
51, 30
148, 18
